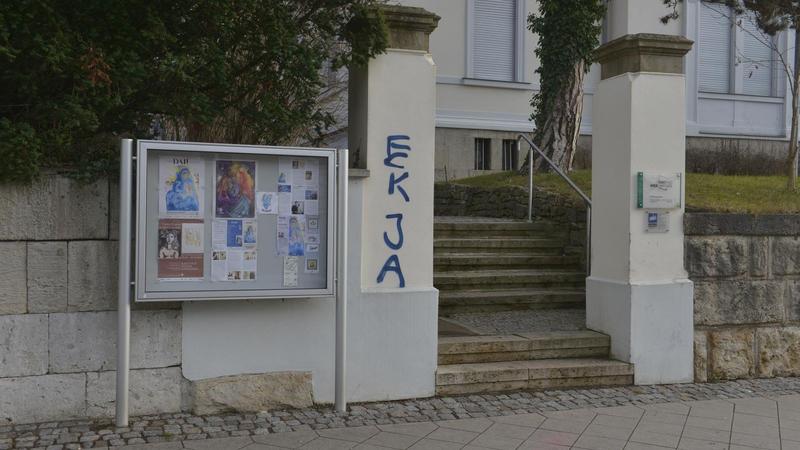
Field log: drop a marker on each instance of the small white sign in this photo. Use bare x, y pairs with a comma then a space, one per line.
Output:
657, 222
659, 190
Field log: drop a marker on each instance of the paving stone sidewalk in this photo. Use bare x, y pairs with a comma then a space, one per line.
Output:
753, 413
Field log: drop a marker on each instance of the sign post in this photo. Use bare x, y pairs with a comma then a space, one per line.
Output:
124, 289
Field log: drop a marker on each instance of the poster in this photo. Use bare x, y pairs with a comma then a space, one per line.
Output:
297, 235
284, 199
235, 189
312, 265
180, 249
181, 185
267, 202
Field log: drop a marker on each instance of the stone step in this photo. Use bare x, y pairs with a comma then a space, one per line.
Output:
489, 300
506, 279
482, 225
495, 244
448, 261
454, 379
523, 346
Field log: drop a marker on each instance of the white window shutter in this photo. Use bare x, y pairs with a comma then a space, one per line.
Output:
714, 42
493, 39
756, 57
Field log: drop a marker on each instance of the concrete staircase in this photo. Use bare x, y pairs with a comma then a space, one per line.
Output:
499, 265
489, 266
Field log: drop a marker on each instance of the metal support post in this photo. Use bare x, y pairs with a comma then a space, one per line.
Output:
340, 400
124, 290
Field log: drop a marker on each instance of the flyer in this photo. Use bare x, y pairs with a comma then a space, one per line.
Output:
235, 189
284, 199
181, 186
282, 235
249, 233
285, 171
290, 264
219, 265
312, 265
311, 201
267, 202
180, 249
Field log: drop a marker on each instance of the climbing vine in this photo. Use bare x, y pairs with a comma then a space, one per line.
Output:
568, 34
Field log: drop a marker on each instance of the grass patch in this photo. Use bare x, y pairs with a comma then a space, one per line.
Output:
704, 192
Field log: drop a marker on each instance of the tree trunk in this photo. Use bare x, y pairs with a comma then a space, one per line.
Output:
792, 156
558, 138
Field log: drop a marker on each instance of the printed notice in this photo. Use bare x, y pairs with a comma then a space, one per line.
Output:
290, 266
180, 249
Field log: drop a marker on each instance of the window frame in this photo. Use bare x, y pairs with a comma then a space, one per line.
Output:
485, 161
510, 154
520, 31
736, 64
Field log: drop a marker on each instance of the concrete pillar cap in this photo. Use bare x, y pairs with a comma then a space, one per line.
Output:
643, 52
409, 27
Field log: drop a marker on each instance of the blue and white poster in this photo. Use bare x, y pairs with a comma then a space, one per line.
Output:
181, 186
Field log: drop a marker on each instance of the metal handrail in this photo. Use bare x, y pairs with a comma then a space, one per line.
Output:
588, 201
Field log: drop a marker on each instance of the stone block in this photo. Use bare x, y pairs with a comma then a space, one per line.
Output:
155, 338
779, 352
86, 341
113, 210
13, 285
726, 302
793, 300
700, 357
731, 354
252, 393
717, 256
43, 398
786, 255
759, 256
54, 208
23, 345
152, 391
92, 284
47, 277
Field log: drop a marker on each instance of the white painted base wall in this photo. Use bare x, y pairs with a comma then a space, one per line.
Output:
651, 325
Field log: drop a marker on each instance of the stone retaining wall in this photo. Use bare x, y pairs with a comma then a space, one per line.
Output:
746, 273
58, 281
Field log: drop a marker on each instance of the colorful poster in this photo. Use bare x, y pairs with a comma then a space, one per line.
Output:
234, 234
181, 186
297, 233
267, 202
235, 189
180, 249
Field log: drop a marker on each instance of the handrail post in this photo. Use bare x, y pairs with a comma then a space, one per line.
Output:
530, 184
588, 240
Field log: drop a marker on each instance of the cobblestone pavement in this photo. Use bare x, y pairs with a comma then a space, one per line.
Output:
760, 411
510, 322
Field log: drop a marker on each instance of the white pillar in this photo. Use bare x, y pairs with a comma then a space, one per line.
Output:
638, 291
393, 306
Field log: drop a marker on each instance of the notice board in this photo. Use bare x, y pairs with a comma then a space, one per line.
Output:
220, 221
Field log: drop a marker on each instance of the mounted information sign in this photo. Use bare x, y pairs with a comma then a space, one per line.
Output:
658, 190
217, 221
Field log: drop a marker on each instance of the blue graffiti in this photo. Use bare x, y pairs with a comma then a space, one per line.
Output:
395, 150
390, 155
392, 265
399, 224
394, 183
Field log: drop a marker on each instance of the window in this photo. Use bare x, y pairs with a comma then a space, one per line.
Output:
509, 154
497, 29
735, 56
483, 153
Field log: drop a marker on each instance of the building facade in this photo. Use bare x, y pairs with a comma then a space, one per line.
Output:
737, 101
